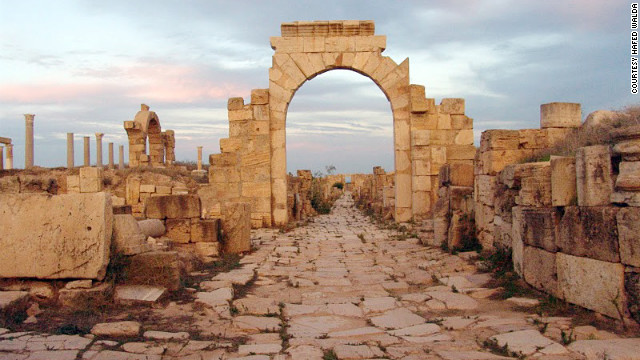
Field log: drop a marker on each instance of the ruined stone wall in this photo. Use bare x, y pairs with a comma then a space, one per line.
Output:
572, 223
499, 148
440, 134
242, 170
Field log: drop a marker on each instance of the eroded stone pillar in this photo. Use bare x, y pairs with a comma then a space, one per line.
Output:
99, 149
70, 160
121, 157
110, 155
9, 164
199, 158
1, 158
28, 141
87, 151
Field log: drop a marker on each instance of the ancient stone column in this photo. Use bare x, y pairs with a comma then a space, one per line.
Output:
87, 152
70, 160
121, 157
110, 155
99, 149
28, 140
199, 158
9, 156
1, 158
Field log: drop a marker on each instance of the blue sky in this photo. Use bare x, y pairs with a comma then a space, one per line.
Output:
85, 67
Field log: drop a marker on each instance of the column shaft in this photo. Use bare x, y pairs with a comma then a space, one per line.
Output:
110, 155
70, 159
87, 151
28, 141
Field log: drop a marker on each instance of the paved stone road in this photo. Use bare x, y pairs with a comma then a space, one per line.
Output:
337, 288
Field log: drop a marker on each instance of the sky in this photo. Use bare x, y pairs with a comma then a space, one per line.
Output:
86, 66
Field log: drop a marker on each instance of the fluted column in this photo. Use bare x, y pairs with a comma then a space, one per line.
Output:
87, 151
99, 149
28, 140
70, 159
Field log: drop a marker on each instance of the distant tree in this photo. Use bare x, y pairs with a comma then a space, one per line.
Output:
330, 169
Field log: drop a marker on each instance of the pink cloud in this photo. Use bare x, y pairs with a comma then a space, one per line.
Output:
29, 93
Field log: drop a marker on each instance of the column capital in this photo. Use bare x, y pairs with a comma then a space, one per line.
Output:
99, 135
29, 118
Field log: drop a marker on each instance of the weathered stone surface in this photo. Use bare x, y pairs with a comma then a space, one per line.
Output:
39, 240
538, 227
593, 175
451, 300
629, 176
456, 175
535, 184
257, 324
257, 306
590, 232
127, 236
215, 298
236, 227
117, 329
85, 298
173, 207
179, 230
90, 179
208, 249
594, 284
632, 288
540, 269
397, 319
525, 342
164, 336
614, 349
138, 293
205, 230
357, 352
563, 181
152, 227
560, 115
158, 268
628, 221
13, 299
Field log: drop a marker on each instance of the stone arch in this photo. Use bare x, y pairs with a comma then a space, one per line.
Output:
146, 126
306, 50
251, 166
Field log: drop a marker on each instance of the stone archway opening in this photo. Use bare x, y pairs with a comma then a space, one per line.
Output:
339, 118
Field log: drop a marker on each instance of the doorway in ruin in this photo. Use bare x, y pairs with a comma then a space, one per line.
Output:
339, 118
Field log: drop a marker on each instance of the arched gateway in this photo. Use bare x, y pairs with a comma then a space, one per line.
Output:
252, 163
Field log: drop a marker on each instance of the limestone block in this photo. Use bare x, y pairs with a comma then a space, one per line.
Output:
132, 190
208, 249
593, 175
259, 96
517, 245
539, 227
560, 115
461, 152
418, 100
157, 268
444, 121
463, 137
235, 103
590, 232
236, 227
244, 114
163, 190
55, 237
127, 236
452, 106
593, 284
173, 207
90, 179
535, 184
629, 176
494, 161
205, 230
632, 286
420, 137
147, 188
539, 269
179, 230
461, 122
626, 197
461, 198
152, 227
628, 221
117, 201
456, 175
485, 186
73, 184
499, 140
80, 298
563, 181
502, 230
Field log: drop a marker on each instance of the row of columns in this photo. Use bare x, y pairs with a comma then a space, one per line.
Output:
87, 152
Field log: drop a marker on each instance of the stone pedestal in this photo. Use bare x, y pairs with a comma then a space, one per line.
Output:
121, 157
199, 158
87, 151
70, 160
110, 155
28, 140
99, 149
